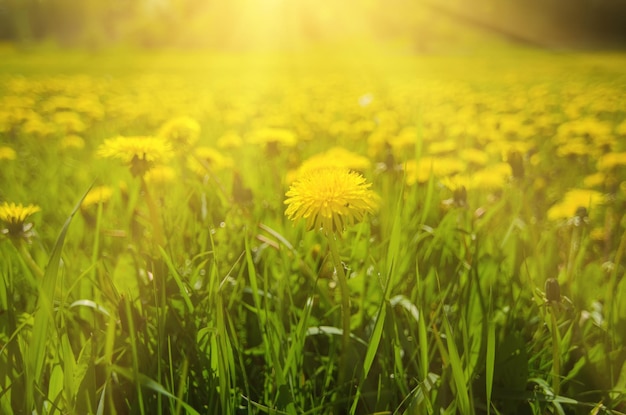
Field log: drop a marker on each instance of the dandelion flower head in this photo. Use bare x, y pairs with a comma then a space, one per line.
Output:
72, 141
97, 195
12, 213
211, 157
182, 132
140, 152
611, 161
161, 175
7, 153
334, 157
330, 198
277, 136
574, 199
14, 216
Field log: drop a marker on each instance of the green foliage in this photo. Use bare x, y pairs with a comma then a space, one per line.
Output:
239, 311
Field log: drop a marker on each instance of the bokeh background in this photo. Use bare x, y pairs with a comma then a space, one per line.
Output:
425, 26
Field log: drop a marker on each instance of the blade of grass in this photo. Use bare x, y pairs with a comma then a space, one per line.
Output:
44, 315
428, 199
82, 365
223, 354
298, 338
265, 323
145, 381
556, 351
392, 254
134, 353
174, 273
182, 385
370, 354
69, 367
411, 404
490, 362
101, 401
458, 375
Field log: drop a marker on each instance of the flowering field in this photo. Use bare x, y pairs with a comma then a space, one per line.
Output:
317, 233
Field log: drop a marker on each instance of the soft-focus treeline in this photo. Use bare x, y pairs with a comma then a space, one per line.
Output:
237, 24
181, 23
547, 23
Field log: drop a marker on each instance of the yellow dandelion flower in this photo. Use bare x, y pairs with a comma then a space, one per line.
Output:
37, 126
420, 171
611, 160
72, 141
69, 121
330, 199
598, 234
339, 128
363, 126
492, 177
213, 158
502, 148
474, 156
98, 194
334, 157
572, 200
575, 146
458, 185
90, 106
456, 182
14, 217
230, 139
7, 153
181, 132
405, 140
273, 139
140, 152
57, 103
274, 136
161, 175
595, 180
442, 147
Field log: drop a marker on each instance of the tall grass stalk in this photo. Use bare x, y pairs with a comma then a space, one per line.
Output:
185, 293
44, 318
490, 361
155, 217
612, 295
344, 292
134, 342
458, 375
556, 350
26, 256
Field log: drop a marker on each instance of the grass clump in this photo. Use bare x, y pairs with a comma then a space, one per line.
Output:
470, 258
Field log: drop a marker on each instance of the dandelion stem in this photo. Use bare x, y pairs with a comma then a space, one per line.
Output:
614, 281
213, 177
345, 301
21, 247
157, 229
573, 252
556, 355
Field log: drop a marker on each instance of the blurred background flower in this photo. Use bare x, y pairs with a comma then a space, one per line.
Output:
141, 153
573, 200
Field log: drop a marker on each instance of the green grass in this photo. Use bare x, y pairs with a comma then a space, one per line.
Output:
194, 297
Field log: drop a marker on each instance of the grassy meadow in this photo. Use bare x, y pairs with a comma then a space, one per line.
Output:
485, 276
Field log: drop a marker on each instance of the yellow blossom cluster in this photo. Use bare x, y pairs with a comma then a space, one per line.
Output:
266, 126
